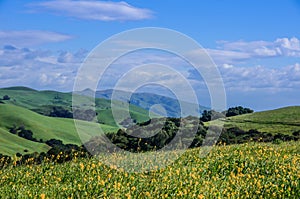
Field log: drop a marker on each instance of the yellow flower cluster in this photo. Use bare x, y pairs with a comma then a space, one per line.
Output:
237, 171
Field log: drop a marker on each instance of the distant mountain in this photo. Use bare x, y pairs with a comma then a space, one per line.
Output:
148, 100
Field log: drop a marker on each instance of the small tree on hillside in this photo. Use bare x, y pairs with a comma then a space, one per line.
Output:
6, 97
239, 110
210, 115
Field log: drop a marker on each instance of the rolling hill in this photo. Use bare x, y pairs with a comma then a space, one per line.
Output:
43, 127
12, 144
43, 102
28, 108
283, 120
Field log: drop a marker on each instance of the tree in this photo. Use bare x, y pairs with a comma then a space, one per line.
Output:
6, 97
210, 115
206, 116
239, 110
58, 111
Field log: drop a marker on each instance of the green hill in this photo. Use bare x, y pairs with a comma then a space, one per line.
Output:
43, 101
29, 108
284, 120
33, 99
12, 144
43, 127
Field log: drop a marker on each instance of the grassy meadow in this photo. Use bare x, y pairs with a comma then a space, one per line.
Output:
43, 128
250, 170
284, 120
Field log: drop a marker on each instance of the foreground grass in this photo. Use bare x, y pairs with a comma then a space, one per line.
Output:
237, 171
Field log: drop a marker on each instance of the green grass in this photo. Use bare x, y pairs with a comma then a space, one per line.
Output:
237, 171
41, 101
17, 111
31, 99
43, 128
284, 120
12, 144
106, 115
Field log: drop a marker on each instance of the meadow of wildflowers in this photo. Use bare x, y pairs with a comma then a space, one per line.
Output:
252, 170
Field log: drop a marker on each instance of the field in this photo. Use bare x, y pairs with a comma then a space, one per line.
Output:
284, 120
22, 110
12, 144
42, 127
42, 101
250, 170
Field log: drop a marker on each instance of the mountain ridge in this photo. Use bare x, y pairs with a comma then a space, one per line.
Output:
146, 101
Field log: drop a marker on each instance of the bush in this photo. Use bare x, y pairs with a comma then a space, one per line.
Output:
58, 111
22, 132
239, 110
4, 160
6, 97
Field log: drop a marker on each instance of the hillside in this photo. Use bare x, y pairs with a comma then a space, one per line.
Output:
147, 100
43, 102
237, 171
283, 120
27, 108
12, 144
43, 127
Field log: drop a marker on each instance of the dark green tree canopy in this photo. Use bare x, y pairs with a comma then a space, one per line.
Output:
238, 110
6, 97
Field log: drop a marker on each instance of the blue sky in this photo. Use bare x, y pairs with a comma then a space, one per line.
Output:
255, 44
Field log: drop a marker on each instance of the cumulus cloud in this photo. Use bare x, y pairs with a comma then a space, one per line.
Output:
68, 57
94, 10
227, 56
30, 37
47, 69
255, 78
44, 69
261, 78
237, 51
288, 47
41, 69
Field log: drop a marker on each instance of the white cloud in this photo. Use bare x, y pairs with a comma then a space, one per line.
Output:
237, 51
68, 57
242, 45
39, 69
31, 37
227, 66
256, 78
44, 69
43, 78
227, 56
266, 52
289, 47
261, 78
94, 10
